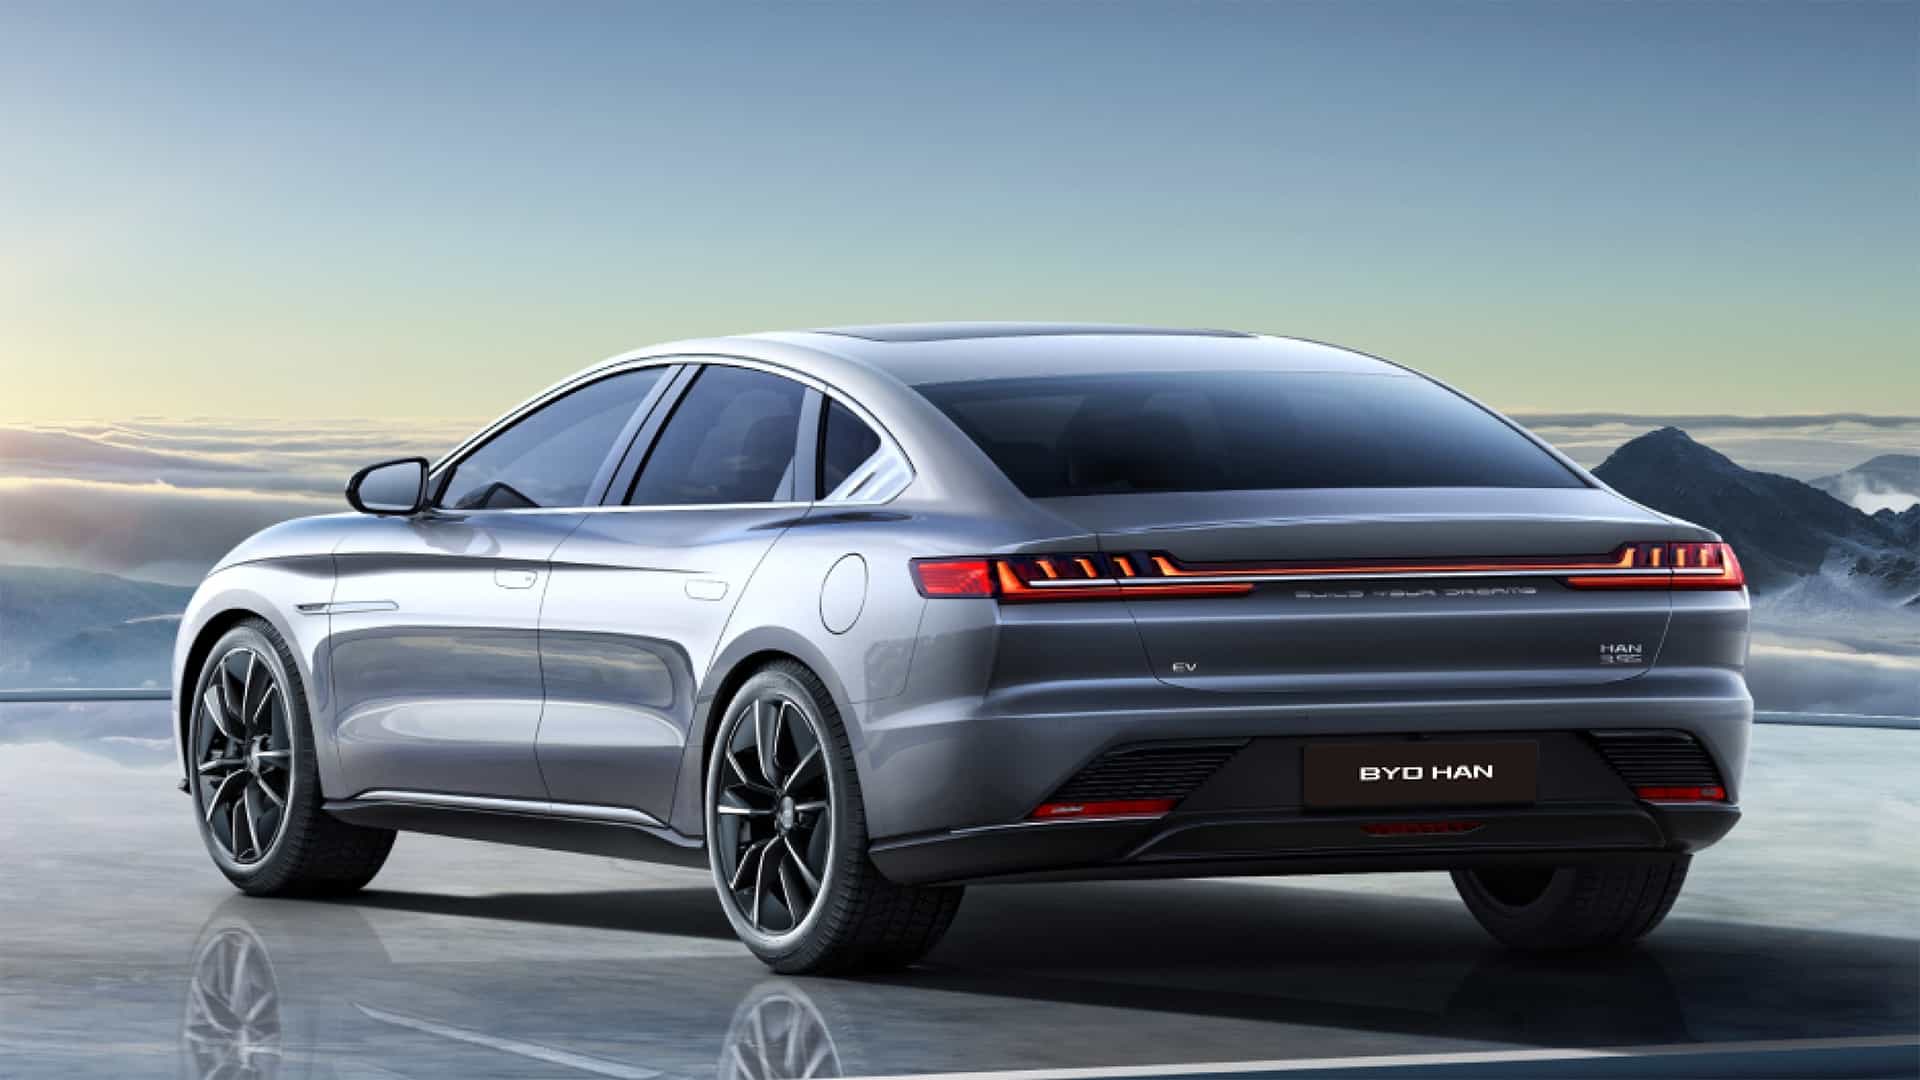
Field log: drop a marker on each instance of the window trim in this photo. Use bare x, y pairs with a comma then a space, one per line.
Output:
885, 456
624, 480
441, 473
812, 415
665, 393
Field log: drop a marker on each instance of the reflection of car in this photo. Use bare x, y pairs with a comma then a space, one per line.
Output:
311, 991
883, 611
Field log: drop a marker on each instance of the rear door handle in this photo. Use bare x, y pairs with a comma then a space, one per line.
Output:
515, 579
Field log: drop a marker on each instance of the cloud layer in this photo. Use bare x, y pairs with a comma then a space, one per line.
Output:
162, 500
1803, 447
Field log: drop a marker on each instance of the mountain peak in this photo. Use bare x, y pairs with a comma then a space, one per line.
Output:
1783, 529
1667, 448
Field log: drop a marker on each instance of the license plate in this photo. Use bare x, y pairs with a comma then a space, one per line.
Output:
1343, 775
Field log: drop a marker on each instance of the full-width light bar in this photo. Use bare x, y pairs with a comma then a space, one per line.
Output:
1016, 579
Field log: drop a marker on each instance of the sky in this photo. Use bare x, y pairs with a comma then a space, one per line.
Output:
386, 211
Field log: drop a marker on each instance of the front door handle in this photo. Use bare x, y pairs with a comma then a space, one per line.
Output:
515, 579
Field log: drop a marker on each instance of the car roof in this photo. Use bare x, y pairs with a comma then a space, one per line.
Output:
973, 331
924, 353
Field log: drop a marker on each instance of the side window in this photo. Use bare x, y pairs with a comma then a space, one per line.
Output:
550, 456
730, 440
845, 443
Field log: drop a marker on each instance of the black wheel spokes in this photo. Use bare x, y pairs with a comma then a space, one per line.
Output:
245, 756
774, 808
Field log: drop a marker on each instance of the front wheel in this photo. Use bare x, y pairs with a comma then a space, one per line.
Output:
787, 838
255, 784
1553, 909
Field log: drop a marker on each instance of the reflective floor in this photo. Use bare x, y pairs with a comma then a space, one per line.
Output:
126, 954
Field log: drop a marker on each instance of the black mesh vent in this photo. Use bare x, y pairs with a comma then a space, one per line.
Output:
1165, 771
1658, 758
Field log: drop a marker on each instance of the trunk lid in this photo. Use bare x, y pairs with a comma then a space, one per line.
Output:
1404, 589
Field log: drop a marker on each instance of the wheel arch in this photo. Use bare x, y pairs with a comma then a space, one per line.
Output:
227, 600
210, 631
734, 665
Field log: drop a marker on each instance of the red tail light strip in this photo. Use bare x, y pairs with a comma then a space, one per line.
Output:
1171, 567
1653, 565
1016, 579
1024, 580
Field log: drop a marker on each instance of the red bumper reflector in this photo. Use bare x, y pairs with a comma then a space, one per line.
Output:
1419, 828
1682, 794
1054, 811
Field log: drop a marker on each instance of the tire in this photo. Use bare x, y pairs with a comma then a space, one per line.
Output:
1597, 906
256, 751
852, 919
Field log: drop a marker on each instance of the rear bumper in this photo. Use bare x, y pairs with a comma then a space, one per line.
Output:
942, 759
966, 784
1212, 844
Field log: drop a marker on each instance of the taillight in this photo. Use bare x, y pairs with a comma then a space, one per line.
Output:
1683, 565
953, 577
1033, 579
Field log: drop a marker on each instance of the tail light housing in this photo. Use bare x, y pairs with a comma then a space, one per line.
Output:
1036, 579
1669, 565
1051, 577
953, 577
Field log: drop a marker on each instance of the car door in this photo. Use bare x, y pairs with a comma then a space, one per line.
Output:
434, 637
642, 591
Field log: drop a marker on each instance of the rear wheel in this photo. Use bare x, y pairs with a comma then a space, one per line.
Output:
256, 787
787, 838
1594, 906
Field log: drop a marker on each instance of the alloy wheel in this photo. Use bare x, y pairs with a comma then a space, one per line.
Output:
772, 818
243, 757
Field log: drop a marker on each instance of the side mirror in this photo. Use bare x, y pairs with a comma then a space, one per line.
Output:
391, 487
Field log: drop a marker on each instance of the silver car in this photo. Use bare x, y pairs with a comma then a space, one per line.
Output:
855, 617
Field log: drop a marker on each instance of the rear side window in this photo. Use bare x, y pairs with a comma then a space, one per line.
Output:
846, 442
1227, 431
730, 440
549, 457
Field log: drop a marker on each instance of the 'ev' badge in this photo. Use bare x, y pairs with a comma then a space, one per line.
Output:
1185, 667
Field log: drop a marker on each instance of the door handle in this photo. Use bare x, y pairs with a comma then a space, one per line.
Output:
515, 579
706, 589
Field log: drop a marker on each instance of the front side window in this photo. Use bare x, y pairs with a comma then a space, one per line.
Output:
730, 440
1230, 431
846, 442
549, 457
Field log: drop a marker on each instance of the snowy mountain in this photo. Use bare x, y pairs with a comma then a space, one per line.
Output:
1889, 482
1784, 531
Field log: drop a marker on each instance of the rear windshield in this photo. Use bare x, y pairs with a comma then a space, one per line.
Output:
1226, 431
